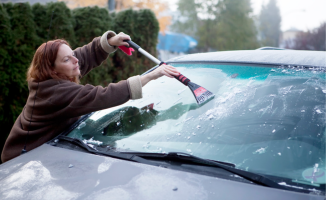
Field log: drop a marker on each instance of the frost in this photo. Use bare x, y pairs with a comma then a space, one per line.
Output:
198, 127
273, 131
324, 91
82, 125
177, 100
318, 111
180, 91
260, 151
303, 111
285, 90
283, 183
188, 119
279, 154
91, 141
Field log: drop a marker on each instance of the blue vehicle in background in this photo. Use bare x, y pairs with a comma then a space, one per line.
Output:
261, 137
175, 42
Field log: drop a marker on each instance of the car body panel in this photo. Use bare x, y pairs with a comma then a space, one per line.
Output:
275, 57
55, 173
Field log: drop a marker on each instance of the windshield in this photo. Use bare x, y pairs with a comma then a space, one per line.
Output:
268, 120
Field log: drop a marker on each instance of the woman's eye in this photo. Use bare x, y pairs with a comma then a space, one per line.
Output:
66, 60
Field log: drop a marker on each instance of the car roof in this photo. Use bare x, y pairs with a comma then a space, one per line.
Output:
269, 57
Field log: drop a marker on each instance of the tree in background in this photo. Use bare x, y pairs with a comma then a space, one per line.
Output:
311, 40
62, 23
6, 43
218, 25
188, 22
17, 41
62, 26
270, 24
235, 27
41, 20
92, 22
143, 28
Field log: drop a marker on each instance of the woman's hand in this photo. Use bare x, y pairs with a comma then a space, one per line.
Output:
163, 70
118, 40
166, 70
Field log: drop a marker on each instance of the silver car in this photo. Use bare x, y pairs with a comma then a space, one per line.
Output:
261, 137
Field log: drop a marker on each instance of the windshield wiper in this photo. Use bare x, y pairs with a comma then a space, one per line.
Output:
181, 157
109, 153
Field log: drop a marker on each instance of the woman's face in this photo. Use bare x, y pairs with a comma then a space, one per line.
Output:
66, 63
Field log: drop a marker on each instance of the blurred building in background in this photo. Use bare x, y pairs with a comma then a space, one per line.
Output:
30, 1
287, 38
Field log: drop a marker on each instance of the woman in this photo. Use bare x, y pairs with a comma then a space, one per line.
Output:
56, 100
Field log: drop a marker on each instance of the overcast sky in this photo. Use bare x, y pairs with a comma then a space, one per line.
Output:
300, 14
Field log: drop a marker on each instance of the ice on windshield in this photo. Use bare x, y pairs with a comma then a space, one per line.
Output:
262, 119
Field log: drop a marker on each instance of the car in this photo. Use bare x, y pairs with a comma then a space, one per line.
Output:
262, 136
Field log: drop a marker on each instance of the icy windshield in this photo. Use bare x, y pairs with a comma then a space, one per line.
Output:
269, 120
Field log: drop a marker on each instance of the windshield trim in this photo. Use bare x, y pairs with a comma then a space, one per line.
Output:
241, 63
261, 64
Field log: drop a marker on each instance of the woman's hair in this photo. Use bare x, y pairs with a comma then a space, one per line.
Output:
42, 66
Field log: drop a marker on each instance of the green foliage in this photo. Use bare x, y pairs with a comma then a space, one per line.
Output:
235, 27
270, 24
188, 10
62, 26
143, 28
6, 42
92, 22
218, 25
20, 45
18, 39
41, 20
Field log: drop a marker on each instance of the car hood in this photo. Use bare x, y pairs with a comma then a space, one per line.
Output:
51, 172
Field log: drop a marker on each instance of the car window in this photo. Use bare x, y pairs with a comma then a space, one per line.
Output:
269, 120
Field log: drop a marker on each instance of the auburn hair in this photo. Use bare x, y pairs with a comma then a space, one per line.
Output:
42, 66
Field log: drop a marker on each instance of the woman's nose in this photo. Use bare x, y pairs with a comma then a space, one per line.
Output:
76, 60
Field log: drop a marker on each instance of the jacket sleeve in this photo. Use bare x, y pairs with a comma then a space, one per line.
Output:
94, 53
72, 100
